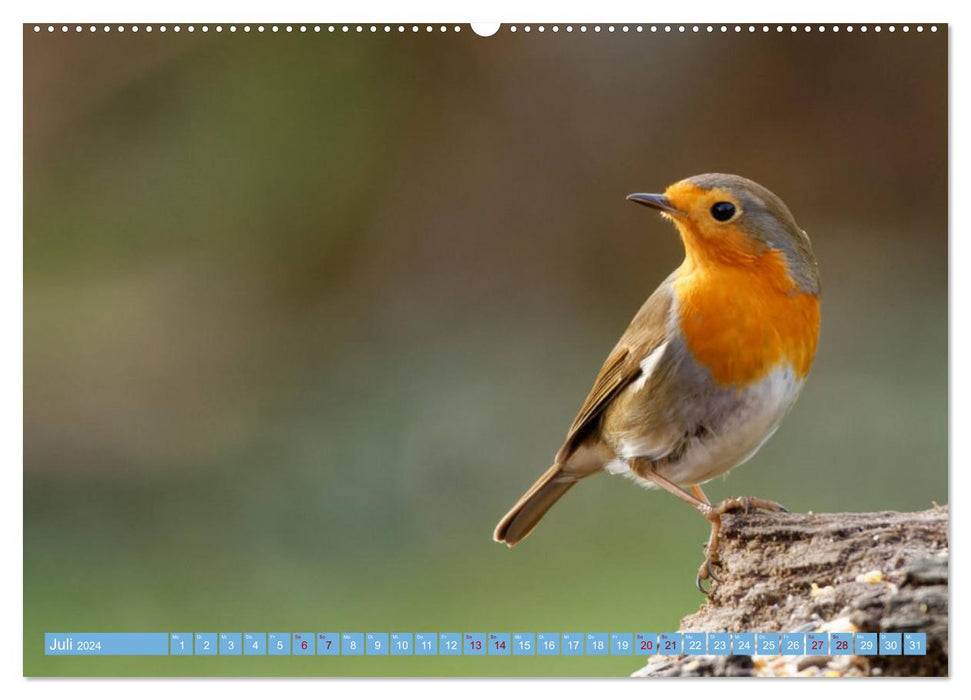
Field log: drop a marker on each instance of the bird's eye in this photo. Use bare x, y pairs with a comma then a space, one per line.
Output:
722, 211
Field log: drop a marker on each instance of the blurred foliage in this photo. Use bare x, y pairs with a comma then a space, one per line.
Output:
304, 315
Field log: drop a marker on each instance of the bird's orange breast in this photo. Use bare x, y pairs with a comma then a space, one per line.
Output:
741, 321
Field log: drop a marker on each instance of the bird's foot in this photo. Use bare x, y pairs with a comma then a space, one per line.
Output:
744, 504
714, 512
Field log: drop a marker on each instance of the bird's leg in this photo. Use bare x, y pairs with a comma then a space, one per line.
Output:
714, 513
707, 569
646, 469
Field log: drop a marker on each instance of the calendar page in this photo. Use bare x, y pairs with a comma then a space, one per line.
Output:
520, 349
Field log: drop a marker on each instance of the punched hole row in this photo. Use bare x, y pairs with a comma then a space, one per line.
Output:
428, 28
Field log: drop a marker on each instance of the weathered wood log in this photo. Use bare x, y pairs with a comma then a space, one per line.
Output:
835, 572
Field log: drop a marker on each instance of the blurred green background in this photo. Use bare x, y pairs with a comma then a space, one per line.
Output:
306, 313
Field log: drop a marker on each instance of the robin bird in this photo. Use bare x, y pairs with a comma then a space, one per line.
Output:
709, 366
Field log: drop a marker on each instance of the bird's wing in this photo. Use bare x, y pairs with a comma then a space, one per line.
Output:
646, 332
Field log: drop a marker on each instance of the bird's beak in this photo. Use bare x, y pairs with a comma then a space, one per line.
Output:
656, 201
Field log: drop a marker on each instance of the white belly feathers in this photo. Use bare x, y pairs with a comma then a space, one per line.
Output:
756, 415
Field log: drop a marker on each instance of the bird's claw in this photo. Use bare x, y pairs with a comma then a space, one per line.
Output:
706, 572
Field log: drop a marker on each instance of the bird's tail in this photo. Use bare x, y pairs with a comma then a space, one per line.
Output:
528, 511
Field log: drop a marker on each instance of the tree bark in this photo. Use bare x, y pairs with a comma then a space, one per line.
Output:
839, 572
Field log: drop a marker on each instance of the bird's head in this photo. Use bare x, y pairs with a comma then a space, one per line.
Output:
730, 220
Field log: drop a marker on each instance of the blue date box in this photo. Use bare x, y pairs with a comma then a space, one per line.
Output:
254, 643
891, 643
669, 644
402, 644
230, 643
426, 643
719, 643
474, 643
352, 644
206, 644
278, 644
597, 644
450, 644
499, 644
329, 644
621, 644
743, 643
793, 644
817, 644
548, 643
768, 643
303, 643
866, 643
915, 643
180, 643
572, 644
523, 644
377, 643
695, 643
841, 643
645, 643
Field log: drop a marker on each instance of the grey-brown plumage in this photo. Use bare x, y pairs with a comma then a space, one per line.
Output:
655, 411
580, 456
